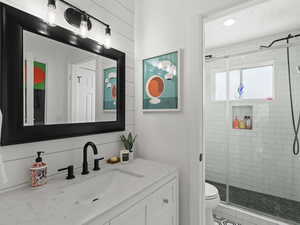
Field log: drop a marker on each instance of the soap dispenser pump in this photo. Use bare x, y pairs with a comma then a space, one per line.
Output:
38, 172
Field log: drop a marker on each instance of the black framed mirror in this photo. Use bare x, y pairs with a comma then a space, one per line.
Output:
55, 84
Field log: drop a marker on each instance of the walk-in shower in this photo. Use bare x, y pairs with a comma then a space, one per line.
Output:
252, 144
296, 124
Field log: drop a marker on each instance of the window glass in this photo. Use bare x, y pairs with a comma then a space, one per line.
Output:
234, 83
258, 83
220, 86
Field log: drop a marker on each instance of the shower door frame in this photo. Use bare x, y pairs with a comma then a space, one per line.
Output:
195, 58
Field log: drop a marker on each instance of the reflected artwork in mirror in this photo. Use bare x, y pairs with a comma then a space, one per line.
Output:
64, 84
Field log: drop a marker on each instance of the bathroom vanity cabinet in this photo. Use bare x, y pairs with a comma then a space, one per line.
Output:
141, 192
159, 208
133, 216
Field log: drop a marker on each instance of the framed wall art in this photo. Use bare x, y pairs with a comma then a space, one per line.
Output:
161, 82
110, 89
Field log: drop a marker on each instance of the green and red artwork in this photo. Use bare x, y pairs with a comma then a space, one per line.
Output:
161, 82
110, 88
39, 92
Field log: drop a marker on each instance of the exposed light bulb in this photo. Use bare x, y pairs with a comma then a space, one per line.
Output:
51, 12
107, 42
83, 26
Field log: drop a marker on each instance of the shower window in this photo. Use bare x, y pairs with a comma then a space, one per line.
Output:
221, 87
244, 84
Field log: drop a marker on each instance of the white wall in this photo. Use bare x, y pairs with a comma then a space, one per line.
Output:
260, 160
64, 152
174, 138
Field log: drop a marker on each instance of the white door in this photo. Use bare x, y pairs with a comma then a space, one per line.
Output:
134, 216
83, 94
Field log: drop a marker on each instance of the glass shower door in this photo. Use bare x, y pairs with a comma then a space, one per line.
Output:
216, 126
262, 168
253, 166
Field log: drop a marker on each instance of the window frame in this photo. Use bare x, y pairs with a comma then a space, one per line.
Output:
240, 69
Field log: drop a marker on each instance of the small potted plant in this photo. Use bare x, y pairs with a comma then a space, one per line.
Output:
128, 143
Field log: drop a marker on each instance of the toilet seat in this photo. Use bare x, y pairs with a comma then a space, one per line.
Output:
212, 200
211, 192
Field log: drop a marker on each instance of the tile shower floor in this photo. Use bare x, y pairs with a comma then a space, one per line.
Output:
224, 221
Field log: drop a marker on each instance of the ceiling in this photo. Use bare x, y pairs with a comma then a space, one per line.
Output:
260, 20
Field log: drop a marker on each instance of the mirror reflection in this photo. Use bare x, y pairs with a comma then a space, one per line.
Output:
65, 84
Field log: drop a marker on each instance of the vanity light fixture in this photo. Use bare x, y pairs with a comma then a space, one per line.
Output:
51, 12
79, 19
107, 43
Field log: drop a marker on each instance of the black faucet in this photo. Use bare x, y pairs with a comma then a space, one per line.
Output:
85, 169
70, 172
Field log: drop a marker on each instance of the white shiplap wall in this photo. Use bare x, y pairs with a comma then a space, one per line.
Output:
63, 152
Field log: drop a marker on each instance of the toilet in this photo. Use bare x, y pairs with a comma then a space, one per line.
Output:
212, 200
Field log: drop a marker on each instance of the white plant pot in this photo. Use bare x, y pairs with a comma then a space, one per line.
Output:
131, 155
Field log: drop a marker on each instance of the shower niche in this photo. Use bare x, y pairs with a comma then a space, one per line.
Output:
242, 117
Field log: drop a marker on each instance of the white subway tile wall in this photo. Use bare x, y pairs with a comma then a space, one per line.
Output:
261, 159
63, 152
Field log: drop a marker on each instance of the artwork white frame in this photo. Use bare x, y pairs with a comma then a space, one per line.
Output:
30, 58
103, 86
179, 75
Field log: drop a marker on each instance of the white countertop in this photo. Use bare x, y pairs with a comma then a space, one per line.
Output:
49, 206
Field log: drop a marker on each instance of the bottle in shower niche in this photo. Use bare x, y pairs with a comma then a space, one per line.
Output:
248, 122
236, 123
38, 172
242, 124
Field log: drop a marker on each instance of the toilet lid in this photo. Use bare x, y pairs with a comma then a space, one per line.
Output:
211, 192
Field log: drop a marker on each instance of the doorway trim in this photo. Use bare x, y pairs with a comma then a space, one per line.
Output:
197, 170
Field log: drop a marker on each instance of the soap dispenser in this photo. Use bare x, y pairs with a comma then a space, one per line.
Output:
38, 172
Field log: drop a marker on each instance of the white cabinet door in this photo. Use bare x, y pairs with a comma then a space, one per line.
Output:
162, 206
134, 216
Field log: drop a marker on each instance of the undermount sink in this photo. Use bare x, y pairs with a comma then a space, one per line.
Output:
105, 184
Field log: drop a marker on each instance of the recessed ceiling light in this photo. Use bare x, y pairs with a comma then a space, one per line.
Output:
229, 22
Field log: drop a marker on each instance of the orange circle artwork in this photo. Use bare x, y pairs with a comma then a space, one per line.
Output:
156, 87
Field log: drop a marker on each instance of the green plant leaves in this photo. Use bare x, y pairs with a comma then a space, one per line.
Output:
128, 141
